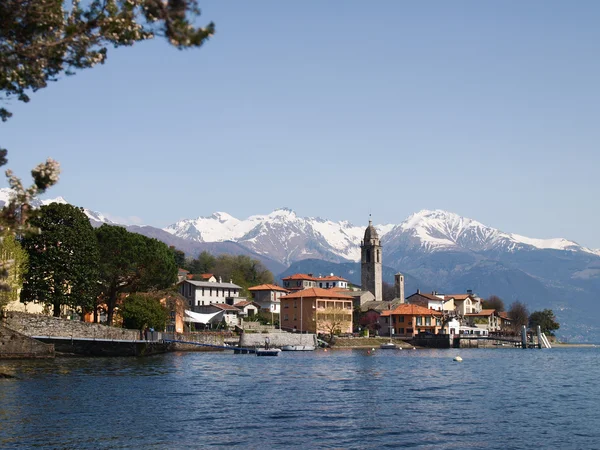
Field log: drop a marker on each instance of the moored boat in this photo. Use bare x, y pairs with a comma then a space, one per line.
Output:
298, 348
268, 352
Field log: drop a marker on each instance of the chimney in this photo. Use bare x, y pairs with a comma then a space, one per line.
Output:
418, 291
469, 291
310, 274
399, 287
220, 280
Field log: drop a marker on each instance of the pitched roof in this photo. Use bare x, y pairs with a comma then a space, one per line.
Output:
225, 307
300, 276
458, 296
410, 310
267, 287
242, 304
378, 305
504, 315
209, 284
428, 296
317, 293
483, 312
331, 278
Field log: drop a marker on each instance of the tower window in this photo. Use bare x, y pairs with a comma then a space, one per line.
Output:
368, 255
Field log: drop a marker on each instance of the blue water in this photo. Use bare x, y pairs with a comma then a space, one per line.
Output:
494, 399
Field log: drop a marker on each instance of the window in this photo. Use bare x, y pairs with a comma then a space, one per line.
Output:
401, 331
378, 255
298, 283
401, 319
285, 305
295, 305
286, 284
427, 320
285, 317
419, 321
368, 255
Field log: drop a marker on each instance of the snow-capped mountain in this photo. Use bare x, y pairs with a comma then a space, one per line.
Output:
441, 230
95, 217
285, 237
281, 235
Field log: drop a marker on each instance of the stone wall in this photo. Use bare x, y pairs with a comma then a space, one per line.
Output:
251, 340
40, 325
16, 345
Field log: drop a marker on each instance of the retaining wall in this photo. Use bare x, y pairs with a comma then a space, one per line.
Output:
40, 325
17, 345
277, 339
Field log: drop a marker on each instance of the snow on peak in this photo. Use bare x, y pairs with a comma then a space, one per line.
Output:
59, 200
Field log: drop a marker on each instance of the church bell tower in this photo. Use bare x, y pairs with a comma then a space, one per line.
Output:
370, 268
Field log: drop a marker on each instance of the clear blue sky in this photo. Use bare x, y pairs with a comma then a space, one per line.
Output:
337, 109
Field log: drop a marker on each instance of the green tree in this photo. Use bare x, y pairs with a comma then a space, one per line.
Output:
63, 259
142, 311
43, 39
546, 320
519, 315
130, 262
243, 271
11, 251
179, 257
493, 302
205, 263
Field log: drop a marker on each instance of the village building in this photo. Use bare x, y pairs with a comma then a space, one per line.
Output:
316, 310
487, 319
203, 293
247, 309
332, 281
268, 297
218, 313
408, 320
299, 281
435, 301
465, 303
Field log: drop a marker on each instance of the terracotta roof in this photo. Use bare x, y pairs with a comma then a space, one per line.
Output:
267, 287
300, 276
410, 310
331, 278
225, 307
242, 304
183, 270
458, 296
317, 293
483, 312
504, 315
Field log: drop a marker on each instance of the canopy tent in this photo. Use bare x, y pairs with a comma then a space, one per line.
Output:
191, 316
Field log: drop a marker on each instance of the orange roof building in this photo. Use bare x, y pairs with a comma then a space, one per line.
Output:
408, 320
317, 310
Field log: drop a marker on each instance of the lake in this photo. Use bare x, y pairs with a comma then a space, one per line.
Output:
501, 398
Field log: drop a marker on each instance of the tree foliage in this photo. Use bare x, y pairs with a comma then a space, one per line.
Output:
493, 302
130, 262
142, 311
241, 269
519, 315
546, 320
63, 259
17, 262
42, 39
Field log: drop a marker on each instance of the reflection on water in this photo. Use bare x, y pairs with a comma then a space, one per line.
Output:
499, 398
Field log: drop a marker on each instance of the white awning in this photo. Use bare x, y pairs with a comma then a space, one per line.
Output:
191, 316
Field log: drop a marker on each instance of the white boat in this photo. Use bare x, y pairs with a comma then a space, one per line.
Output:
268, 352
298, 348
388, 346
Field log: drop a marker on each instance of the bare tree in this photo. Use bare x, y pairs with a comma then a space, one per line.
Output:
334, 320
493, 302
519, 315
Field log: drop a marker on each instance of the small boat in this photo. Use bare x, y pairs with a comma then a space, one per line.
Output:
268, 352
388, 346
298, 348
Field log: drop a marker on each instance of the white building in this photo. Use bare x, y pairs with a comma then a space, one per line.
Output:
203, 293
267, 297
